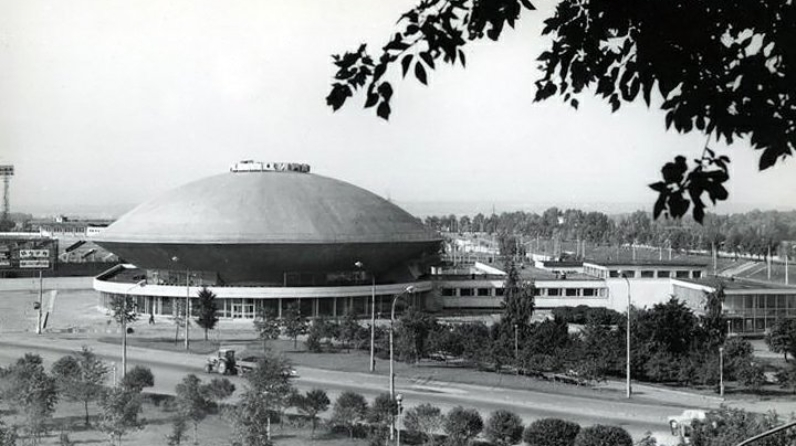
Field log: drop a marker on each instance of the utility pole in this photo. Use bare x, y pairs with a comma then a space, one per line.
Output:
38, 320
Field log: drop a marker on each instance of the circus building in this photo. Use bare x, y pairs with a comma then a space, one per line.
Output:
266, 236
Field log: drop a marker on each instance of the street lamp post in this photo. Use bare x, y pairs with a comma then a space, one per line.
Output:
399, 408
372, 318
409, 289
627, 372
721, 371
140, 283
516, 348
187, 300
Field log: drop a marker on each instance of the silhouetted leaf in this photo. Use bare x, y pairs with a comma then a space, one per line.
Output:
420, 73
405, 63
383, 110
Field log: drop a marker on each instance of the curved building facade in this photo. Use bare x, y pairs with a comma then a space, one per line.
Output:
268, 235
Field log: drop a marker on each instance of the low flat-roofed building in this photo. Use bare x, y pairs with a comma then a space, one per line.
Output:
751, 306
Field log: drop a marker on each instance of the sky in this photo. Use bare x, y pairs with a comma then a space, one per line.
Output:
105, 104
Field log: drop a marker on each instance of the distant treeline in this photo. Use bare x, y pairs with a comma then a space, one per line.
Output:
751, 233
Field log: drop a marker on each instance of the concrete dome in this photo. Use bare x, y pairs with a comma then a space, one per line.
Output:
256, 226
267, 207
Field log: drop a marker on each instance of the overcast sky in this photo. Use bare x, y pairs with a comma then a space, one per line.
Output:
105, 104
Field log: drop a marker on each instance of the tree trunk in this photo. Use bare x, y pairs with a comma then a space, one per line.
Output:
85, 404
205, 334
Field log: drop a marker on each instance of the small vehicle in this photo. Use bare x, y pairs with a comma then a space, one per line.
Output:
681, 425
223, 362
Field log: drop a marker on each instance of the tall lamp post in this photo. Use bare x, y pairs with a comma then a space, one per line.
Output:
187, 300
628, 391
721, 372
399, 409
360, 265
409, 289
141, 284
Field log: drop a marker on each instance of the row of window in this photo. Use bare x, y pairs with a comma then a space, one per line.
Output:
645, 273
540, 292
760, 301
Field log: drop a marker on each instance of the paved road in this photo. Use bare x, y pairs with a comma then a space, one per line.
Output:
169, 368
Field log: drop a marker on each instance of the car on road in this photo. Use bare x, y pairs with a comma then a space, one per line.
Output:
681, 425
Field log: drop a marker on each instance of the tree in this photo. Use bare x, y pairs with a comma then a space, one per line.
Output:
123, 312
311, 404
137, 378
504, 428
517, 306
271, 377
462, 425
33, 393
412, 334
782, 338
350, 409
294, 323
381, 415
600, 435
350, 331
178, 428
120, 409
267, 326
721, 70
731, 426
424, 420
192, 402
551, 432
206, 310
8, 435
251, 418
713, 323
81, 377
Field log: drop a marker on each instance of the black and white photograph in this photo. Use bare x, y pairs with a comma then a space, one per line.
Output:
397, 222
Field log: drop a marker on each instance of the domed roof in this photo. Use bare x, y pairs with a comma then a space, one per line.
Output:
267, 207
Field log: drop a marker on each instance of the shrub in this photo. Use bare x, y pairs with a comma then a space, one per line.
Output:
462, 425
600, 435
350, 409
551, 432
503, 428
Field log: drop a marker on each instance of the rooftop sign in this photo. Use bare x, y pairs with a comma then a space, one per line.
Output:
259, 166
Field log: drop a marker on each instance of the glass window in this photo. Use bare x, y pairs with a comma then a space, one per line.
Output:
647, 274
447, 291
761, 301
696, 274
613, 273
771, 302
499, 291
790, 301
780, 301
571, 292
749, 302
465, 291
588, 292
553, 292
664, 273
483, 292
681, 274
760, 324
